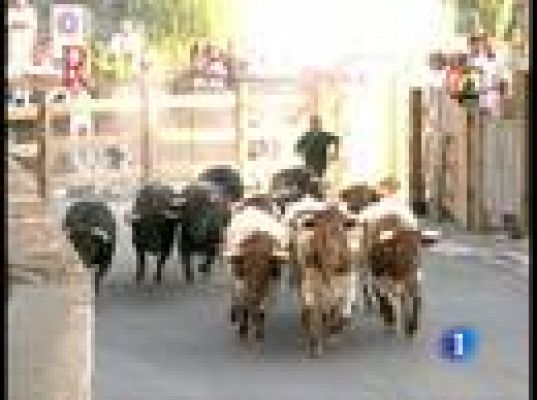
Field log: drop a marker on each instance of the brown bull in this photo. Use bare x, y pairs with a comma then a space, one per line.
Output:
394, 266
323, 260
257, 262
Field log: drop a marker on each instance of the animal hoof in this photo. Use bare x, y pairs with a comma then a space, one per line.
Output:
243, 332
233, 316
411, 330
257, 349
314, 350
313, 353
410, 335
389, 322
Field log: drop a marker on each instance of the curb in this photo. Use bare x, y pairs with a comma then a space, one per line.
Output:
508, 255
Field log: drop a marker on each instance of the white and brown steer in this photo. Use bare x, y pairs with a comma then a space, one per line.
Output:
255, 247
323, 258
394, 270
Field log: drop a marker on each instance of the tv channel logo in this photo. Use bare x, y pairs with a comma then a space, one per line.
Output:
458, 344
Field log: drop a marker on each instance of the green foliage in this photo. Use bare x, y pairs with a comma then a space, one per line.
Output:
107, 66
171, 24
169, 28
490, 14
469, 95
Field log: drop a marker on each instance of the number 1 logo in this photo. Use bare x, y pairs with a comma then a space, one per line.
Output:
458, 344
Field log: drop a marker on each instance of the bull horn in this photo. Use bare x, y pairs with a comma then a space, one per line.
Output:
227, 254
178, 201
169, 214
386, 235
96, 231
419, 275
236, 207
281, 254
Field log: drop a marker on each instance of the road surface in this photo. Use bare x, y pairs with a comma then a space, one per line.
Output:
174, 342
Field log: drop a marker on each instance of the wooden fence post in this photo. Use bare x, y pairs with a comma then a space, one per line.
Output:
417, 195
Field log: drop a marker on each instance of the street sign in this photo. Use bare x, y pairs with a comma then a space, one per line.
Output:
69, 25
74, 70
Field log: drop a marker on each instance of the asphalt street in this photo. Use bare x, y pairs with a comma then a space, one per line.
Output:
174, 341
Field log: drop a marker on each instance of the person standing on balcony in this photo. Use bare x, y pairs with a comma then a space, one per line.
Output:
317, 147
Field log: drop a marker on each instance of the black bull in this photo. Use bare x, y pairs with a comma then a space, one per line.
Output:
91, 228
205, 214
199, 214
154, 220
290, 185
228, 179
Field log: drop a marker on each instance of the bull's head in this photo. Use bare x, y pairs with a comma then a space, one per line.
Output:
278, 256
101, 234
243, 265
358, 197
330, 218
174, 212
394, 254
262, 202
329, 247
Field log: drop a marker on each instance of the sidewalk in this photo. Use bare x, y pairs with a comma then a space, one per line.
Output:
489, 248
36, 244
49, 342
50, 308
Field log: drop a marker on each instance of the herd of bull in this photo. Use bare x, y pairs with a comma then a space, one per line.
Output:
356, 250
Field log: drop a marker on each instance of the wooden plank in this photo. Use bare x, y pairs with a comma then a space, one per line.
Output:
215, 101
28, 113
417, 186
